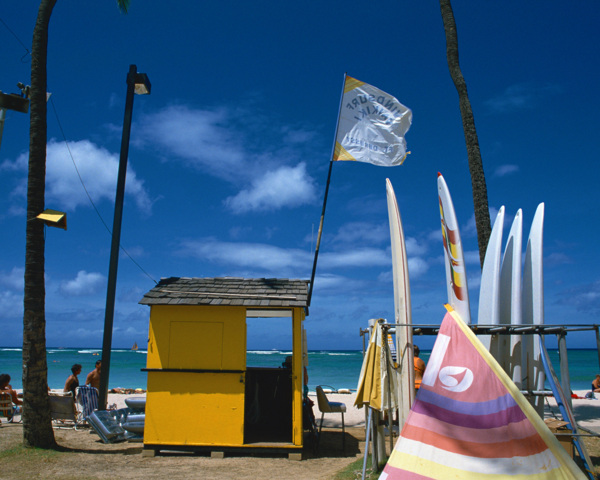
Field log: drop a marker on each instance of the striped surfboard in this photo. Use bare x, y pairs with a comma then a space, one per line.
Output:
456, 274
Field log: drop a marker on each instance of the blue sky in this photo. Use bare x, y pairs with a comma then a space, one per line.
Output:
229, 154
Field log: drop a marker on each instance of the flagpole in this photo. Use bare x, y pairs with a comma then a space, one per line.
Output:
314, 268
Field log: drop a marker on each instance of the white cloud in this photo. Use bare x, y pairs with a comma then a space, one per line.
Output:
557, 258
200, 137
472, 257
97, 167
583, 297
355, 257
474, 283
469, 229
415, 247
504, 170
354, 233
417, 267
239, 147
244, 255
14, 280
297, 136
520, 96
284, 187
11, 305
84, 284
262, 257
332, 282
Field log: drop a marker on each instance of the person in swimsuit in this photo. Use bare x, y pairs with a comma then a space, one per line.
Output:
93, 378
419, 367
5, 387
596, 384
72, 381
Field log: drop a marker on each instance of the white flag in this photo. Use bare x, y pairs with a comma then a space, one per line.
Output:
372, 126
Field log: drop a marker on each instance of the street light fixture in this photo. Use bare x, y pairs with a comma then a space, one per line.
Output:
11, 101
136, 83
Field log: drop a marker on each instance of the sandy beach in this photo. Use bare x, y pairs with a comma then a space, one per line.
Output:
83, 455
354, 417
586, 411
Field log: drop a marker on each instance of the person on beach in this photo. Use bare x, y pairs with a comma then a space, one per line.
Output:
305, 387
5, 387
419, 367
288, 364
596, 384
72, 381
93, 378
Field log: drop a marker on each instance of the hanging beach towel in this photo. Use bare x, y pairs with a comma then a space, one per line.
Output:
377, 384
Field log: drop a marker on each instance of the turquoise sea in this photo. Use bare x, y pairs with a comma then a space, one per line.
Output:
336, 368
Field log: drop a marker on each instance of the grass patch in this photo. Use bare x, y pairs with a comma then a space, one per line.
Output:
20, 452
354, 471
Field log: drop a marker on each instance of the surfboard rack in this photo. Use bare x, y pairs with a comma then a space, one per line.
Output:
479, 329
560, 331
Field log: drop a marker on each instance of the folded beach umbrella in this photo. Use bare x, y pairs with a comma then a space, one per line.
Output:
470, 421
377, 384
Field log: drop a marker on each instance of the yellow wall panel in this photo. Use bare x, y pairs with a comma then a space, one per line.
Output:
196, 345
194, 409
187, 348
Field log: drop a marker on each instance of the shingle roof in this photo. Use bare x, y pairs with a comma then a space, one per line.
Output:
250, 292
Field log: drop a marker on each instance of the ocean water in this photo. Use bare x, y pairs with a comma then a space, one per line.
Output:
336, 368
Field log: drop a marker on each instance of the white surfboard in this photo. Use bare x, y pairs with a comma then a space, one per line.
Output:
456, 275
510, 300
533, 305
402, 309
489, 289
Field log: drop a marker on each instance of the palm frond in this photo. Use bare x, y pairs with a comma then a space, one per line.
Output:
123, 5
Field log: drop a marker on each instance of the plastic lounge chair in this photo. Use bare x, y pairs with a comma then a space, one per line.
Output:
7, 409
63, 409
325, 406
118, 425
87, 396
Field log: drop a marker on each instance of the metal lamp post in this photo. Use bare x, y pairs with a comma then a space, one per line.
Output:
136, 83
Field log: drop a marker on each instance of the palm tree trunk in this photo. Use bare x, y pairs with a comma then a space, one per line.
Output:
37, 423
480, 199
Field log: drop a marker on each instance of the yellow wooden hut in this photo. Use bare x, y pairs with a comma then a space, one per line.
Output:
201, 396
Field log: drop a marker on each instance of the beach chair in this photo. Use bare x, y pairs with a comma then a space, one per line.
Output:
87, 396
63, 410
8, 409
6, 406
325, 406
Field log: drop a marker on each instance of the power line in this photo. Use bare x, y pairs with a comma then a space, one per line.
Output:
17, 38
73, 160
88, 194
